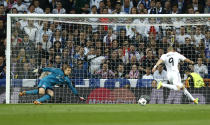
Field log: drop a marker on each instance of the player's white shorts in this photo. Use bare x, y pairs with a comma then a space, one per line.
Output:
174, 78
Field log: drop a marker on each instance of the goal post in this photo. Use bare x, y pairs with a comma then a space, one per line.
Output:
92, 84
8, 51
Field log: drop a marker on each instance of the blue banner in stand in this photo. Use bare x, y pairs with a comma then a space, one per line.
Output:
2, 82
91, 83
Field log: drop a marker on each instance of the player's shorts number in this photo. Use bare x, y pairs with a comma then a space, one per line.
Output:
171, 60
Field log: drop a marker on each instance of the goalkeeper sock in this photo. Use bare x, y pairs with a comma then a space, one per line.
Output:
44, 98
188, 94
32, 92
169, 86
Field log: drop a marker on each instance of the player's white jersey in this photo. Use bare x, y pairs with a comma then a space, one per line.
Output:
171, 60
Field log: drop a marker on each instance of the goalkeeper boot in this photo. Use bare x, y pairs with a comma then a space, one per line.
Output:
37, 102
22, 93
159, 85
196, 101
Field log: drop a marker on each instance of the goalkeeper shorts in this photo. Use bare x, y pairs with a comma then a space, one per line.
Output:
45, 85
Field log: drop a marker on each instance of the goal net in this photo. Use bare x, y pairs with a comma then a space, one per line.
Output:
111, 56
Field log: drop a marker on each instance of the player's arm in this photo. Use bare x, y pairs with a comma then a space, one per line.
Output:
183, 58
189, 61
73, 89
157, 64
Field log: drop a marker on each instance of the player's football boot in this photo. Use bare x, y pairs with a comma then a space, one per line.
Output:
22, 93
159, 85
37, 102
196, 101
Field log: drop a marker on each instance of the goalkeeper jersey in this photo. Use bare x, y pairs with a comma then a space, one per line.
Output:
57, 77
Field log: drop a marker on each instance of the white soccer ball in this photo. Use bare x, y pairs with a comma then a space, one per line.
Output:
142, 101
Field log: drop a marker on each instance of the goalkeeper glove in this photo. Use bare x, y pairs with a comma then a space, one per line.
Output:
39, 71
81, 98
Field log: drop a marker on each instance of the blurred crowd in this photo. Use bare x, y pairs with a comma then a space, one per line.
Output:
100, 51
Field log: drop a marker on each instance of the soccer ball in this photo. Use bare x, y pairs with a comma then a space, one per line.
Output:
142, 101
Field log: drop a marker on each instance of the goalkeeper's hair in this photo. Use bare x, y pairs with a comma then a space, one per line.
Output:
65, 66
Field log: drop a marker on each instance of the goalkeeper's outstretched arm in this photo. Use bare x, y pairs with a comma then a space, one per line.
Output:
74, 90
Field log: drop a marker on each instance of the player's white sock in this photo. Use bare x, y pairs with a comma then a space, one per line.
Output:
169, 86
188, 94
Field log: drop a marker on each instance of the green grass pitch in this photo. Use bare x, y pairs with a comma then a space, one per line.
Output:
100, 114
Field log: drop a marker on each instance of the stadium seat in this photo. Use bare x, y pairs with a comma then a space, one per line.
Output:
94, 83
144, 83
124, 82
110, 83
78, 81
2, 82
17, 82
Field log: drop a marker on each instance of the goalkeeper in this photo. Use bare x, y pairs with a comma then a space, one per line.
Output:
45, 86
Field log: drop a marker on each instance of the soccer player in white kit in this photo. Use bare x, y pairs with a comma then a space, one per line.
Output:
171, 60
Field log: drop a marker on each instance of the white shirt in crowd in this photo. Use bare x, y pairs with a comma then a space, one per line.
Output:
46, 45
3, 2
147, 76
202, 70
59, 11
27, 2
23, 23
39, 10
21, 8
160, 76
94, 26
95, 2
112, 37
177, 24
41, 32
95, 64
128, 56
181, 38
198, 39
32, 33
138, 25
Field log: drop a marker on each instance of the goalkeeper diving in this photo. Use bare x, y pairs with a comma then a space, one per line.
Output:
45, 86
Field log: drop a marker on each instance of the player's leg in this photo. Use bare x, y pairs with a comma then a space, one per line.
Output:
186, 92
41, 92
50, 92
181, 86
177, 82
42, 88
174, 87
47, 94
172, 78
30, 92
35, 91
